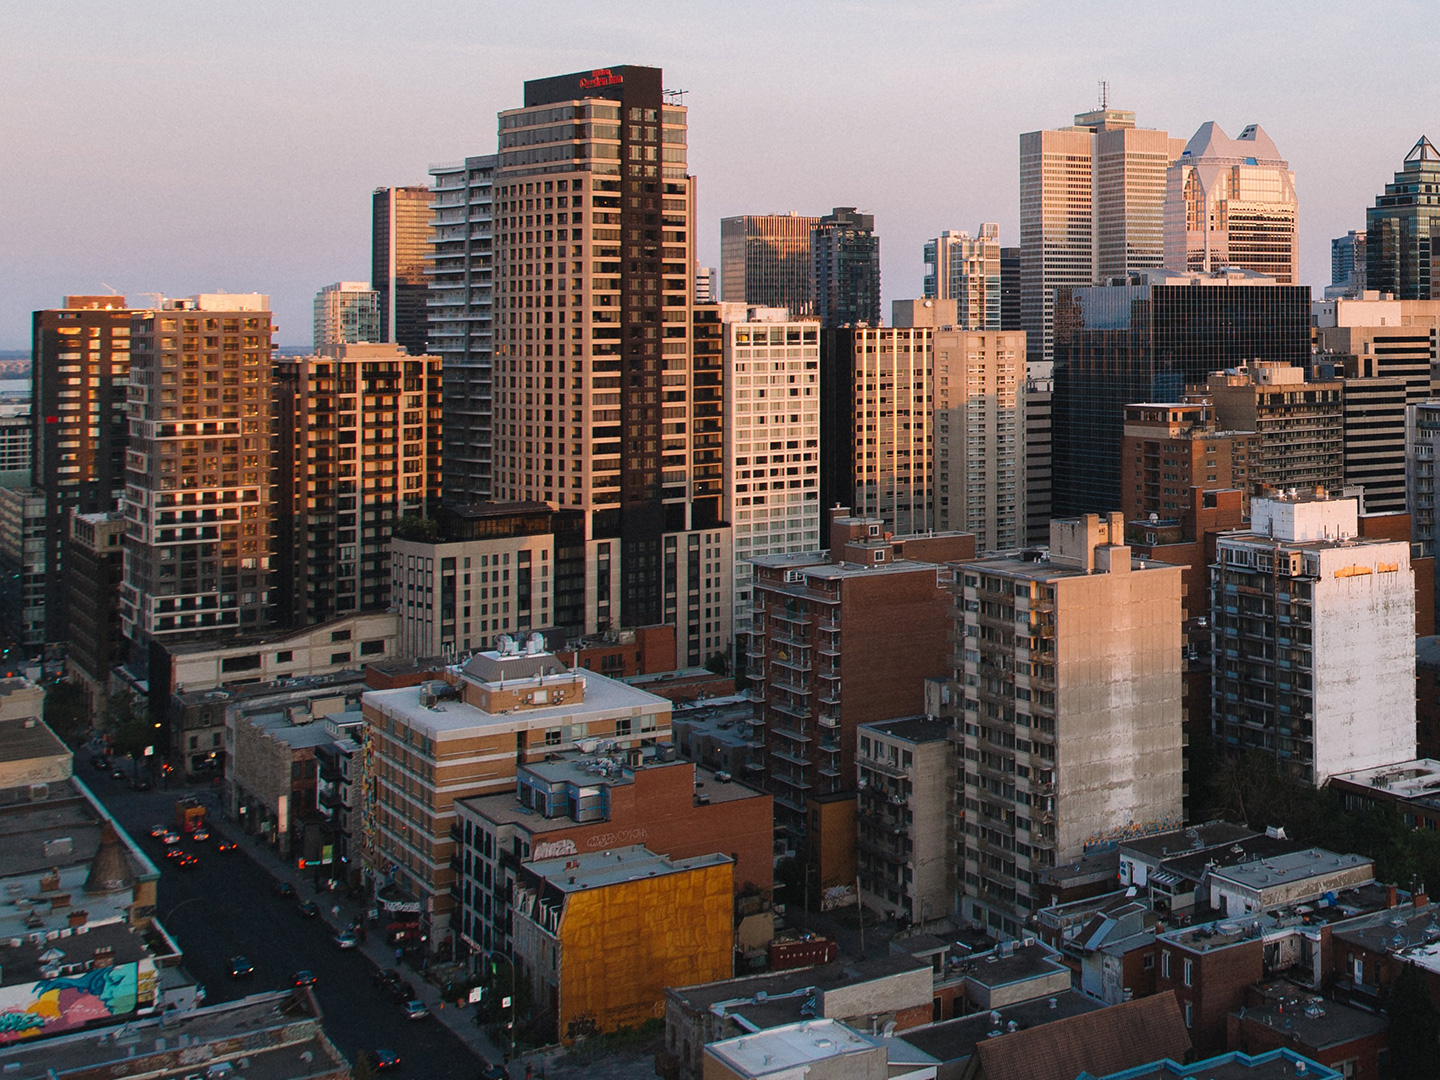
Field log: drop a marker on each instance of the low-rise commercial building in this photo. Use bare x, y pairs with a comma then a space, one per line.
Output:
600, 936
579, 802
468, 735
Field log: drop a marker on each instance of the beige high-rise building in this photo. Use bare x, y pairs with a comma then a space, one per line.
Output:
198, 500
966, 270
594, 400
1092, 200
1231, 202
1068, 673
977, 382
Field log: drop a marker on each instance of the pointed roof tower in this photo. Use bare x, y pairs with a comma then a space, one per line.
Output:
1424, 150
110, 871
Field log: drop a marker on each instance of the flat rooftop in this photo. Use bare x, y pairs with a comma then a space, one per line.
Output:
1192, 866
1180, 841
791, 1048
1046, 570
1278, 870
1417, 779
60, 831
1313, 1021
955, 1040
1014, 965
739, 995
293, 686
23, 738
286, 1024
1275, 1065
596, 870
915, 729
297, 736
604, 699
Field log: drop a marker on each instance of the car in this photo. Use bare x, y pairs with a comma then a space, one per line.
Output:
187, 861
174, 853
416, 1010
199, 836
402, 990
492, 1072
348, 940
303, 977
385, 979
381, 1059
140, 783
170, 838
225, 845
307, 909
101, 762
284, 890
241, 968
157, 831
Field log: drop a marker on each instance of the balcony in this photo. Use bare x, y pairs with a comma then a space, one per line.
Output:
791, 758
884, 768
791, 734
826, 720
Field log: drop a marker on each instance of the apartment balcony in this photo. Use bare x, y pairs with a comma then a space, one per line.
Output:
827, 720
791, 734
884, 768
792, 661
791, 757
789, 685
786, 708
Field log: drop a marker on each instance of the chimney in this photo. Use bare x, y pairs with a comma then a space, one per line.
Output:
1390, 896
1419, 897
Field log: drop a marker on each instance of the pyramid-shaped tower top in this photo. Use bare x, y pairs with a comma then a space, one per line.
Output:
1424, 150
110, 871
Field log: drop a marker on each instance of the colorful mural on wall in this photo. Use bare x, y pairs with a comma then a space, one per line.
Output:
67, 1002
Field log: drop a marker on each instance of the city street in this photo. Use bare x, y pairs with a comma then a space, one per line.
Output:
225, 906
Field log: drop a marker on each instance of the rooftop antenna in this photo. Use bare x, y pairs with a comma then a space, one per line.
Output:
1104, 95
675, 97
113, 290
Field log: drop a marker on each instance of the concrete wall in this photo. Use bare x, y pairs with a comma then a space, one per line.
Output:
1364, 649
886, 998
1118, 709
311, 652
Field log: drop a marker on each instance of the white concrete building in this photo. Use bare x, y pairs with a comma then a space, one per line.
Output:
1312, 633
772, 409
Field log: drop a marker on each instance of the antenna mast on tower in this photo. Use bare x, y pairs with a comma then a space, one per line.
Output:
1104, 95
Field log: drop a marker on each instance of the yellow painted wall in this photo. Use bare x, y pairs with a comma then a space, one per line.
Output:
620, 946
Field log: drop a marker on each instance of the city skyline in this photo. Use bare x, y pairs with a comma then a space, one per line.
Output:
887, 137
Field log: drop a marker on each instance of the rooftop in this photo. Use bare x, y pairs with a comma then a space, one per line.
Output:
791, 1047
1417, 779
913, 729
596, 870
1232, 1066
955, 1040
1212, 834
1263, 874
746, 994
280, 727
1311, 1020
278, 688
604, 699
279, 1035
819, 566
1007, 964
62, 830
24, 738
1193, 865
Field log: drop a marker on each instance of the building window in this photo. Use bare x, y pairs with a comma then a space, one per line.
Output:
339, 658
1150, 962
1189, 1015
284, 657
1189, 971
1165, 964
552, 737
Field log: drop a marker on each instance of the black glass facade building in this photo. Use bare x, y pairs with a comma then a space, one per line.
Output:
1402, 229
1116, 345
845, 268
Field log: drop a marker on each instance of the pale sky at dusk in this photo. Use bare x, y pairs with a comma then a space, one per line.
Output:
205, 146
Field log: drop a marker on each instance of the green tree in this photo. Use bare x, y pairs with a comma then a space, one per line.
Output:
1414, 1028
129, 722
67, 712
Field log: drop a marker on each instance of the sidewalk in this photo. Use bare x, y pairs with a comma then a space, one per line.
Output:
338, 911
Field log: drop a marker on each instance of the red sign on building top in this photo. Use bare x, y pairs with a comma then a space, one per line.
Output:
600, 77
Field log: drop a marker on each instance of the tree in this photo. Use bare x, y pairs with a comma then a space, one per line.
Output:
129, 721
1414, 1027
67, 712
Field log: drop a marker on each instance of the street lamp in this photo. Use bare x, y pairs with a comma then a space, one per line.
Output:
509, 1002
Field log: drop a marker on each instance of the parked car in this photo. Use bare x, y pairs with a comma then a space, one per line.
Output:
241, 968
492, 1072
347, 940
101, 762
303, 977
284, 890
307, 909
141, 783
402, 990
385, 979
416, 1010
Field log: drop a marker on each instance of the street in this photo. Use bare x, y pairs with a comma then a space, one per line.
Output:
224, 906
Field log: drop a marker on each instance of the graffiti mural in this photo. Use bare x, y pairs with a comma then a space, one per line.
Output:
67, 1002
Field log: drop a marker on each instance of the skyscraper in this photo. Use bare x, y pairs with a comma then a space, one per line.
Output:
346, 312
198, 484
967, 271
1092, 199
1231, 202
765, 261
1120, 344
845, 268
1010, 288
1347, 266
357, 447
1401, 242
462, 312
400, 264
593, 395
80, 378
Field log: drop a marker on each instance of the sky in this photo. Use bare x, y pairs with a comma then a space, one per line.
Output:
177, 148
